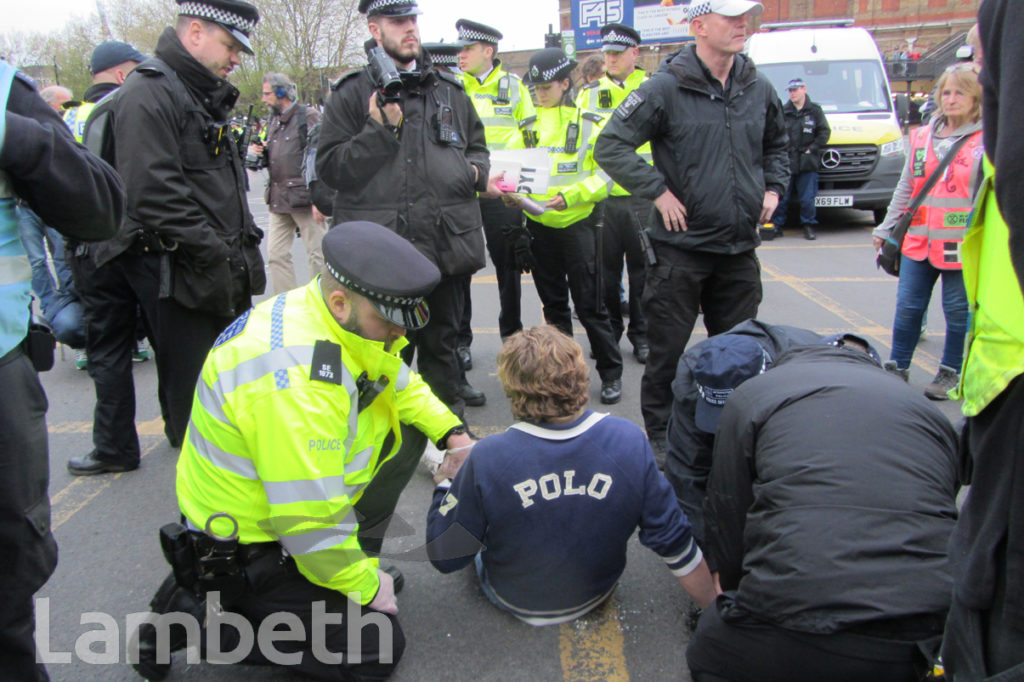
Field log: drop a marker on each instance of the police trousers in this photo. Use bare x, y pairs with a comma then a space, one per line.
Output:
624, 217
26, 544
567, 265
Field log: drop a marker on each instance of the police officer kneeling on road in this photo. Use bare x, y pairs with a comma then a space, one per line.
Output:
295, 447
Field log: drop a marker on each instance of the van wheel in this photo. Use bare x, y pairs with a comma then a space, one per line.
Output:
879, 216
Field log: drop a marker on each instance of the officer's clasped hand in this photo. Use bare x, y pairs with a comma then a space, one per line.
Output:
519, 239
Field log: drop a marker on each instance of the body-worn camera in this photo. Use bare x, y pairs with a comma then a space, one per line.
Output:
385, 76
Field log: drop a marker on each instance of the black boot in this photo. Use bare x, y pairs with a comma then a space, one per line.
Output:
809, 233
168, 599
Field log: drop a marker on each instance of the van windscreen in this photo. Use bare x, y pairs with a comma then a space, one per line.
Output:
839, 87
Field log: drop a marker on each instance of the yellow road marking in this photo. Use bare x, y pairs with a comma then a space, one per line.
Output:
81, 491
593, 648
858, 323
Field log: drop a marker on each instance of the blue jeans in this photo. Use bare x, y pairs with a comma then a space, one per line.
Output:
804, 187
917, 279
59, 301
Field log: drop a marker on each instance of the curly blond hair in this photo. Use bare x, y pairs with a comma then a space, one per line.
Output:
544, 374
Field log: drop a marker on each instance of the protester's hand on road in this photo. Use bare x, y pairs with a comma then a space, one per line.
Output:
771, 202
673, 213
385, 600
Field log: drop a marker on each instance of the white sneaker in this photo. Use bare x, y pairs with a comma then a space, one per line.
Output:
81, 359
141, 352
432, 458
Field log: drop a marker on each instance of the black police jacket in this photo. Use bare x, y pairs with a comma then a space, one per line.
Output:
832, 495
808, 132
409, 182
717, 152
185, 182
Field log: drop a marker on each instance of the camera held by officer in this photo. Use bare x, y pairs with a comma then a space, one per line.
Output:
384, 74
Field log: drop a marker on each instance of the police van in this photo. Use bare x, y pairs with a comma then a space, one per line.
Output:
844, 72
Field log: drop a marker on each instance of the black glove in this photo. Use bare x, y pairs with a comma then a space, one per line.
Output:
518, 238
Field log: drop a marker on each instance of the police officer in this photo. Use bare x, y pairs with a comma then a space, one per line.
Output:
188, 253
315, 470
624, 215
445, 56
110, 64
564, 243
92, 207
808, 132
414, 165
504, 105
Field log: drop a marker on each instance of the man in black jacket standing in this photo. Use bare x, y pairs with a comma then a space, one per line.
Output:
413, 165
808, 132
188, 251
719, 143
830, 503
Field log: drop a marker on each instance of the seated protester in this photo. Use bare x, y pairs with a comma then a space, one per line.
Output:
706, 375
557, 495
831, 500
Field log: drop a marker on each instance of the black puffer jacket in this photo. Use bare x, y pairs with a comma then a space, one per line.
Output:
411, 183
185, 182
717, 152
808, 132
832, 495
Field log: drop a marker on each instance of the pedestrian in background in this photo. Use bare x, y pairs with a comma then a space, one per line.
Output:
808, 132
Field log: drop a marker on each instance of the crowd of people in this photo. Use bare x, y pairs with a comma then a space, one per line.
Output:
808, 500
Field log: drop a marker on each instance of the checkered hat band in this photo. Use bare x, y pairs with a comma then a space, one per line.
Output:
548, 74
444, 59
378, 5
204, 11
469, 34
373, 295
698, 9
613, 38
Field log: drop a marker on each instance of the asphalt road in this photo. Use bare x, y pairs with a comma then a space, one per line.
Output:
110, 561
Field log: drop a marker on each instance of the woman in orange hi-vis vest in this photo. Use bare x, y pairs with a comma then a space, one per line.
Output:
932, 245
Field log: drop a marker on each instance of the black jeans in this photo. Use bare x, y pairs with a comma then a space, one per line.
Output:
624, 217
26, 544
438, 362
726, 287
566, 264
734, 646
112, 296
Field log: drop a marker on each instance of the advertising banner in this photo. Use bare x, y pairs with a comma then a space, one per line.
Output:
657, 21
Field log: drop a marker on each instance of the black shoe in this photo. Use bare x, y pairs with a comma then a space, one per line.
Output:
89, 465
170, 598
611, 391
396, 575
641, 352
465, 358
809, 233
471, 396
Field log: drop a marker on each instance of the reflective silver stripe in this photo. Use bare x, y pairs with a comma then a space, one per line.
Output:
498, 121
560, 434
219, 458
288, 492
402, 381
15, 270
320, 539
962, 203
262, 365
211, 401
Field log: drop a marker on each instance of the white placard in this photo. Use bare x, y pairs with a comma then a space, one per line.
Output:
529, 168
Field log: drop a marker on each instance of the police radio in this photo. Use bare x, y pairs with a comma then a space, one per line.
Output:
572, 133
604, 99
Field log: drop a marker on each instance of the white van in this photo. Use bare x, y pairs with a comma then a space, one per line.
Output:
845, 75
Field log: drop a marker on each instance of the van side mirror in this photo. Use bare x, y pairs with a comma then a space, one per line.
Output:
903, 109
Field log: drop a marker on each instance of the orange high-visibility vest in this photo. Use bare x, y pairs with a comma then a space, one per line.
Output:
937, 229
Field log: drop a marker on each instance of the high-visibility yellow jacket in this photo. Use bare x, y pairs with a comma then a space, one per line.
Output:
278, 443
603, 96
504, 106
995, 338
75, 118
574, 174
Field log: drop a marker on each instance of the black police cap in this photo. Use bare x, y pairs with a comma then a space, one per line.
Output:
236, 17
618, 37
374, 262
547, 65
389, 8
443, 54
474, 32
